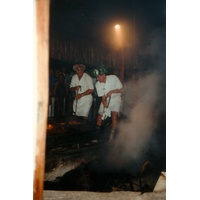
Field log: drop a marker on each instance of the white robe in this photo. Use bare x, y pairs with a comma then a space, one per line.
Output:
82, 106
112, 83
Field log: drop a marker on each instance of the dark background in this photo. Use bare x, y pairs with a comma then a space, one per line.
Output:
89, 18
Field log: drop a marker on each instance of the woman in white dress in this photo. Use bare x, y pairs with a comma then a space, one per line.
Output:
82, 84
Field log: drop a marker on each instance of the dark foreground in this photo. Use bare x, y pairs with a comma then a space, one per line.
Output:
75, 160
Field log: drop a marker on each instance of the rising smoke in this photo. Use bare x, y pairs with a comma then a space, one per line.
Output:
142, 103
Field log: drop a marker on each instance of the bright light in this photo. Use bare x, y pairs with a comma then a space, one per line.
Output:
117, 26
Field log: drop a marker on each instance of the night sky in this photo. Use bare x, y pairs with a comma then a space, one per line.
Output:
91, 19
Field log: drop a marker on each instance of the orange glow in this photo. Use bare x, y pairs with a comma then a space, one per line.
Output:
124, 37
118, 36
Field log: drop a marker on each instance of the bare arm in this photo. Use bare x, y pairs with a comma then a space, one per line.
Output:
114, 91
87, 92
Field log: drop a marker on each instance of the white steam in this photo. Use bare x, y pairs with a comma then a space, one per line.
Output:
142, 102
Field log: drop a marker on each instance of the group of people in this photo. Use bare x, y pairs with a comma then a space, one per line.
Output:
108, 87
58, 92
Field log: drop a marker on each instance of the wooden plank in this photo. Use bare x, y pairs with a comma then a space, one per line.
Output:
42, 58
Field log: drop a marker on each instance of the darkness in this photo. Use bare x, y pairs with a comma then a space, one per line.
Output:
87, 18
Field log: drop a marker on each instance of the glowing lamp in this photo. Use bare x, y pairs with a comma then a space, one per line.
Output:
117, 26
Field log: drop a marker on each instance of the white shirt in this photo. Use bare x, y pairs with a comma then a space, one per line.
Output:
112, 83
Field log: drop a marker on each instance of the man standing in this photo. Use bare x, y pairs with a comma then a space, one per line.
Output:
110, 88
82, 84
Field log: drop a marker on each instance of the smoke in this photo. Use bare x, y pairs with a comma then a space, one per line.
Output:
143, 101
142, 133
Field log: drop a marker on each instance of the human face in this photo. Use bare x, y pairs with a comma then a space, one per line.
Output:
79, 72
101, 78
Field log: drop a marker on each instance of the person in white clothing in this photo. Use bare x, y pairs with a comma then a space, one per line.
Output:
82, 84
110, 88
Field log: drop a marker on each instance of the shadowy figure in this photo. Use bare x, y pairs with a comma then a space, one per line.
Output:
61, 95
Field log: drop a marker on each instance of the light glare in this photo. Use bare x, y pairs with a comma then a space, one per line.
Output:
117, 26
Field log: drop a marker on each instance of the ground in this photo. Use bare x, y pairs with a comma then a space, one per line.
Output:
75, 161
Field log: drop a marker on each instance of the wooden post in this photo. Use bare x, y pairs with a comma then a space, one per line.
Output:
122, 65
42, 59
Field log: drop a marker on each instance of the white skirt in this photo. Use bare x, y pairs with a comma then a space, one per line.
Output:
81, 107
114, 105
